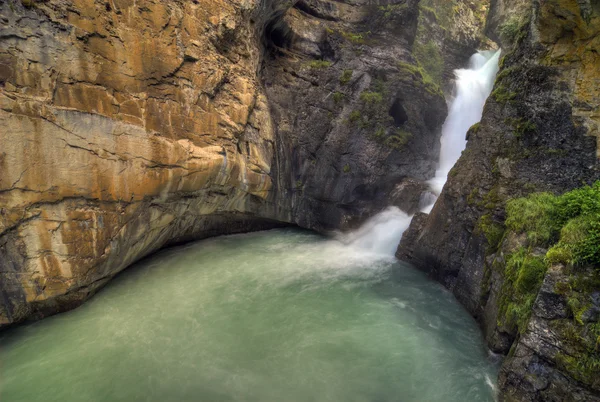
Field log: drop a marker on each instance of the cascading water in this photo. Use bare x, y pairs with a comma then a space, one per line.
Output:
473, 86
381, 233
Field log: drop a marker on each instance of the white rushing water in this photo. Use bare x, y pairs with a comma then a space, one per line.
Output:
381, 233
473, 86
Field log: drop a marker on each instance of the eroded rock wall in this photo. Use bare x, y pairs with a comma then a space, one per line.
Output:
369, 125
367, 134
128, 126
538, 133
125, 126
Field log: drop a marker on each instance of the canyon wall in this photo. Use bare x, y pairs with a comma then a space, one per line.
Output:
128, 126
539, 133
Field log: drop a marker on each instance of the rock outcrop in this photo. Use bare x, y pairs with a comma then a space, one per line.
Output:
125, 126
539, 132
128, 126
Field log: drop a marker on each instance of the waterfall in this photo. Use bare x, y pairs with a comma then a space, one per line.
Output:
473, 86
380, 234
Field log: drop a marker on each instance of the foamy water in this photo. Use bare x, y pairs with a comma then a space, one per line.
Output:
380, 234
473, 86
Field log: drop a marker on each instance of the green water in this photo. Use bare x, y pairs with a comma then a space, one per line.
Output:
272, 316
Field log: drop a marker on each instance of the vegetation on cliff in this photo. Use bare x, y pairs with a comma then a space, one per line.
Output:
569, 223
567, 228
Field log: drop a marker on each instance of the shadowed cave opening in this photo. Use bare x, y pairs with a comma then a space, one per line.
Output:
278, 35
398, 113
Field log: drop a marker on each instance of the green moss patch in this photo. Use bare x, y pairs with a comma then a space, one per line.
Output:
338, 97
514, 29
492, 231
417, 72
371, 97
354, 116
523, 276
580, 338
430, 58
317, 64
569, 224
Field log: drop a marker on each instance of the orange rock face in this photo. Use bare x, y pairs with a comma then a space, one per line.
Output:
124, 126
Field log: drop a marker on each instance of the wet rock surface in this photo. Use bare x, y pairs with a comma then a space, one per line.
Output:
535, 135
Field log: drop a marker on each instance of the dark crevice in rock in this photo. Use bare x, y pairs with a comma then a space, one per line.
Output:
398, 113
278, 35
310, 8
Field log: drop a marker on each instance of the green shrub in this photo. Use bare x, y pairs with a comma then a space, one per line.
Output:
581, 201
354, 116
531, 274
319, 64
575, 230
338, 97
584, 240
345, 77
398, 138
371, 97
379, 133
558, 254
347, 169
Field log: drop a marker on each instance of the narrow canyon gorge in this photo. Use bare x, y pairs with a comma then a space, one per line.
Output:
131, 126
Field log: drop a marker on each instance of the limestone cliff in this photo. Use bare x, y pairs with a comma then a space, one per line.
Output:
539, 132
131, 125
125, 126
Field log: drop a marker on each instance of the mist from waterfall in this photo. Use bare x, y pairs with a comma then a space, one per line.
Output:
473, 86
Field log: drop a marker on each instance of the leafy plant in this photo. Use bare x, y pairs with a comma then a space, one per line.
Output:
523, 276
345, 77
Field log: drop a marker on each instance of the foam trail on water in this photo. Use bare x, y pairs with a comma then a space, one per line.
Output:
473, 86
380, 234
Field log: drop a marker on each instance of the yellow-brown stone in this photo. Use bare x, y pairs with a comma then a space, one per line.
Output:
107, 121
